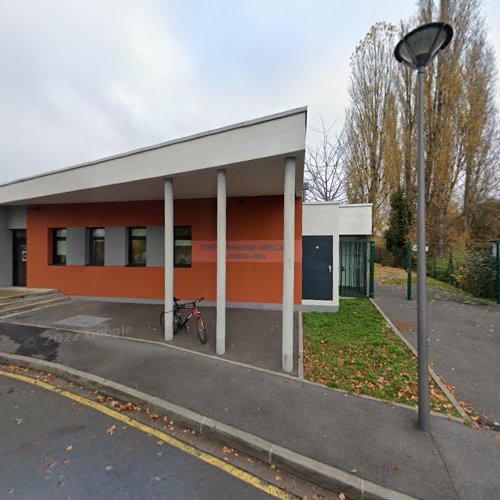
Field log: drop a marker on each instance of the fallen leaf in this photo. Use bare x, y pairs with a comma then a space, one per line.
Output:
50, 466
111, 429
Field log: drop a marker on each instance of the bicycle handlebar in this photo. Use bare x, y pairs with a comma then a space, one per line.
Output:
187, 303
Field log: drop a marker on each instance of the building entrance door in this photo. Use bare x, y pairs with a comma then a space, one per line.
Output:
20, 256
317, 261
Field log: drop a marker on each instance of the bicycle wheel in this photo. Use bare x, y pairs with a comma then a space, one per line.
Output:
202, 332
177, 321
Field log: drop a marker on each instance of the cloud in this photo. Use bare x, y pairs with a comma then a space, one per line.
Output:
84, 79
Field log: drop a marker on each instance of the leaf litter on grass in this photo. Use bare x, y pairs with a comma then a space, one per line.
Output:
355, 350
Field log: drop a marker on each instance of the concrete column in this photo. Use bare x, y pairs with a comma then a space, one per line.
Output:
288, 264
221, 262
5, 249
169, 258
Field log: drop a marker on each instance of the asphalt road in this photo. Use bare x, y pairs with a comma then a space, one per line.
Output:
379, 441
54, 448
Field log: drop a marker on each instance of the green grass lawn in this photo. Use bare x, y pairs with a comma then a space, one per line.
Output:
355, 350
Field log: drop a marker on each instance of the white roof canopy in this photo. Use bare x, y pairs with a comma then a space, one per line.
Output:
252, 152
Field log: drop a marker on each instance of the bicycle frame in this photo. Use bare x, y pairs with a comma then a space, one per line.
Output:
192, 307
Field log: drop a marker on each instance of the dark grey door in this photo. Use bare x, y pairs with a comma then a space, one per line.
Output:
20, 255
317, 255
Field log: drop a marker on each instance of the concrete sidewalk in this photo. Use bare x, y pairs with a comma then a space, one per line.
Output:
376, 441
253, 336
464, 343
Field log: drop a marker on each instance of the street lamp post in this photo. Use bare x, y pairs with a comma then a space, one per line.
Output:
417, 49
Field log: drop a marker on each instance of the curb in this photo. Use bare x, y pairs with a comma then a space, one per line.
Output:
300, 367
309, 469
432, 372
230, 361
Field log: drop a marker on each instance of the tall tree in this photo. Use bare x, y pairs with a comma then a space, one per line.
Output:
479, 131
371, 134
461, 127
460, 119
406, 102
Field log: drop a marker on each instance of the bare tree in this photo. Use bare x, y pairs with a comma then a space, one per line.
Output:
325, 167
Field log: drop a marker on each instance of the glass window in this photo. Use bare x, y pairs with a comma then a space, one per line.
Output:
183, 245
137, 246
59, 246
96, 250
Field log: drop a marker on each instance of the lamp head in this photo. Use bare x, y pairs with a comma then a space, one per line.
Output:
418, 48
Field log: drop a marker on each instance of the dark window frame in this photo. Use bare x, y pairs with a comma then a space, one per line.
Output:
183, 266
55, 239
130, 239
91, 239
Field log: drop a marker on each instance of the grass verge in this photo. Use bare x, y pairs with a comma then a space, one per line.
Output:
355, 350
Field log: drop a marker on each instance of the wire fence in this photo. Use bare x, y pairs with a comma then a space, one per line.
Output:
476, 270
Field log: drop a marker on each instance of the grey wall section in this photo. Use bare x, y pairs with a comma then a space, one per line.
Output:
5, 249
155, 244
115, 246
76, 246
16, 217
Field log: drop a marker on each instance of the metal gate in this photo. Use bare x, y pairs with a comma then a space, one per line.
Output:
356, 268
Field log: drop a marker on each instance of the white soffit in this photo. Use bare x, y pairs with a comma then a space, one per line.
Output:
253, 152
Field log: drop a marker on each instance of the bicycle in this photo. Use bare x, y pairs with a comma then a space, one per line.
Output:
182, 323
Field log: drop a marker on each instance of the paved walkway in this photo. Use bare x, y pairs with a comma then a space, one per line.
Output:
464, 343
378, 441
253, 336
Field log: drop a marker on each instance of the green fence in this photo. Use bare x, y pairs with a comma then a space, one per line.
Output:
476, 270
357, 267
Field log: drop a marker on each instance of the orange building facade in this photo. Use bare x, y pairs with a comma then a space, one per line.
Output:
254, 250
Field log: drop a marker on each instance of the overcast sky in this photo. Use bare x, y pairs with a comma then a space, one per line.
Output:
83, 79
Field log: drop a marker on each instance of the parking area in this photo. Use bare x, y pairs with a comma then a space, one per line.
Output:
253, 336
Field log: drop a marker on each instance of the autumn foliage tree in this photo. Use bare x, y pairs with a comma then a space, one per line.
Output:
461, 126
371, 133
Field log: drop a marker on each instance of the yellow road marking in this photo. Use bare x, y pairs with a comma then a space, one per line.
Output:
191, 450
